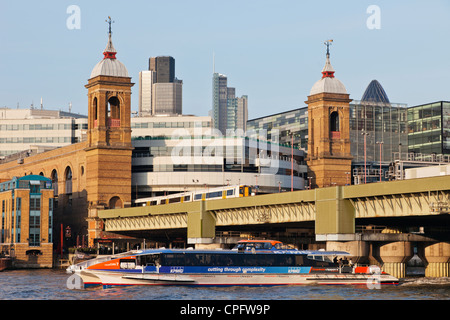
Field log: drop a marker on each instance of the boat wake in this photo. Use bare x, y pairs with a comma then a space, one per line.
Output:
425, 281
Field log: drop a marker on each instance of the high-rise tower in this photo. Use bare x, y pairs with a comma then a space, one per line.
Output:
329, 157
160, 92
108, 152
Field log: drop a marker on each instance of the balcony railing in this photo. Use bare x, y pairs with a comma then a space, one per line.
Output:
112, 123
335, 135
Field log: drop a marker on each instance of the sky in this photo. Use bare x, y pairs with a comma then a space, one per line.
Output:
272, 51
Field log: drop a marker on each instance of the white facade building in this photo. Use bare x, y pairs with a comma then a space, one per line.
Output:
22, 129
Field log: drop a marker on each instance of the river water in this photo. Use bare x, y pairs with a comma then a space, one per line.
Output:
51, 284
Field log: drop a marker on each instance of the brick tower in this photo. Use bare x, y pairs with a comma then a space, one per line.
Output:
108, 152
329, 157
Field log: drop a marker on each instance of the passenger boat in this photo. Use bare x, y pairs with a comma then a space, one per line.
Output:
250, 263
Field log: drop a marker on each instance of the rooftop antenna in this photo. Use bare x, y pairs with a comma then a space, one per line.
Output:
328, 43
42, 104
70, 107
109, 21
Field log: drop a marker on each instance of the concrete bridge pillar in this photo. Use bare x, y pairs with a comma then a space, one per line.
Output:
394, 256
437, 258
359, 250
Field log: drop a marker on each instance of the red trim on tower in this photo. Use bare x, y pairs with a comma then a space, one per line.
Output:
327, 74
109, 55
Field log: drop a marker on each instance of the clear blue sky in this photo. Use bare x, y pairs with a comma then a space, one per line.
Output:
272, 51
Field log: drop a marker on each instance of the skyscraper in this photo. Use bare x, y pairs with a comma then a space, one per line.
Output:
160, 92
229, 111
146, 79
164, 67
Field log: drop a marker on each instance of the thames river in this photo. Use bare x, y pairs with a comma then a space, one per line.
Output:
51, 284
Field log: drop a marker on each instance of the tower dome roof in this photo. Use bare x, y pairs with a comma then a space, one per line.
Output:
375, 93
328, 83
109, 66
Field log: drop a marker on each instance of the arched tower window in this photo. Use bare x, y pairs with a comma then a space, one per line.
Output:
334, 125
113, 112
95, 111
54, 178
68, 179
115, 202
334, 121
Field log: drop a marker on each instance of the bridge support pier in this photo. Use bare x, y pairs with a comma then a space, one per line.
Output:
437, 257
394, 256
359, 250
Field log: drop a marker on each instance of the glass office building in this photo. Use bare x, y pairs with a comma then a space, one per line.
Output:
294, 121
384, 124
429, 128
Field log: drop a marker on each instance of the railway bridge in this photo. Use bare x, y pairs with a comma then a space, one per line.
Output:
415, 214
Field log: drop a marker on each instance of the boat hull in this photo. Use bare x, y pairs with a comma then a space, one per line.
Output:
110, 278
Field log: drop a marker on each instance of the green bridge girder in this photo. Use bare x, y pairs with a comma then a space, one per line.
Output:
333, 209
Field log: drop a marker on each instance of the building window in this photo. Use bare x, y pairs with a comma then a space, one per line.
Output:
68, 178
35, 221
18, 218
50, 220
334, 121
54, 178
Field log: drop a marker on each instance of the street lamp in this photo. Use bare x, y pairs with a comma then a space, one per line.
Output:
381, 145
365, 134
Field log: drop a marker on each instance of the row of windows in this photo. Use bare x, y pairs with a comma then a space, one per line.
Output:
38, 140
186, 124
238, 259
60, 126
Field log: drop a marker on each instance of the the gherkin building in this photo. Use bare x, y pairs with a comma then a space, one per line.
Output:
375, 93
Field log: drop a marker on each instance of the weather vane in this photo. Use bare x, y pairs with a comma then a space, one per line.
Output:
328, 44
109, 22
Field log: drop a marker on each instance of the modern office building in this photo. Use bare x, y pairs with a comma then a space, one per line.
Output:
21, 129
375, 122
160, 92
229, 112
145, 92
176, 154
27, 221
167, 98
429, 128
283, 124
163, 67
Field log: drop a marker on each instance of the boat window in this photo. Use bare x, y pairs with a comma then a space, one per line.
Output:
127, 263
234, 259
148, 260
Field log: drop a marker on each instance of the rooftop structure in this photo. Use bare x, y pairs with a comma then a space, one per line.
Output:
375, 93
109, 66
